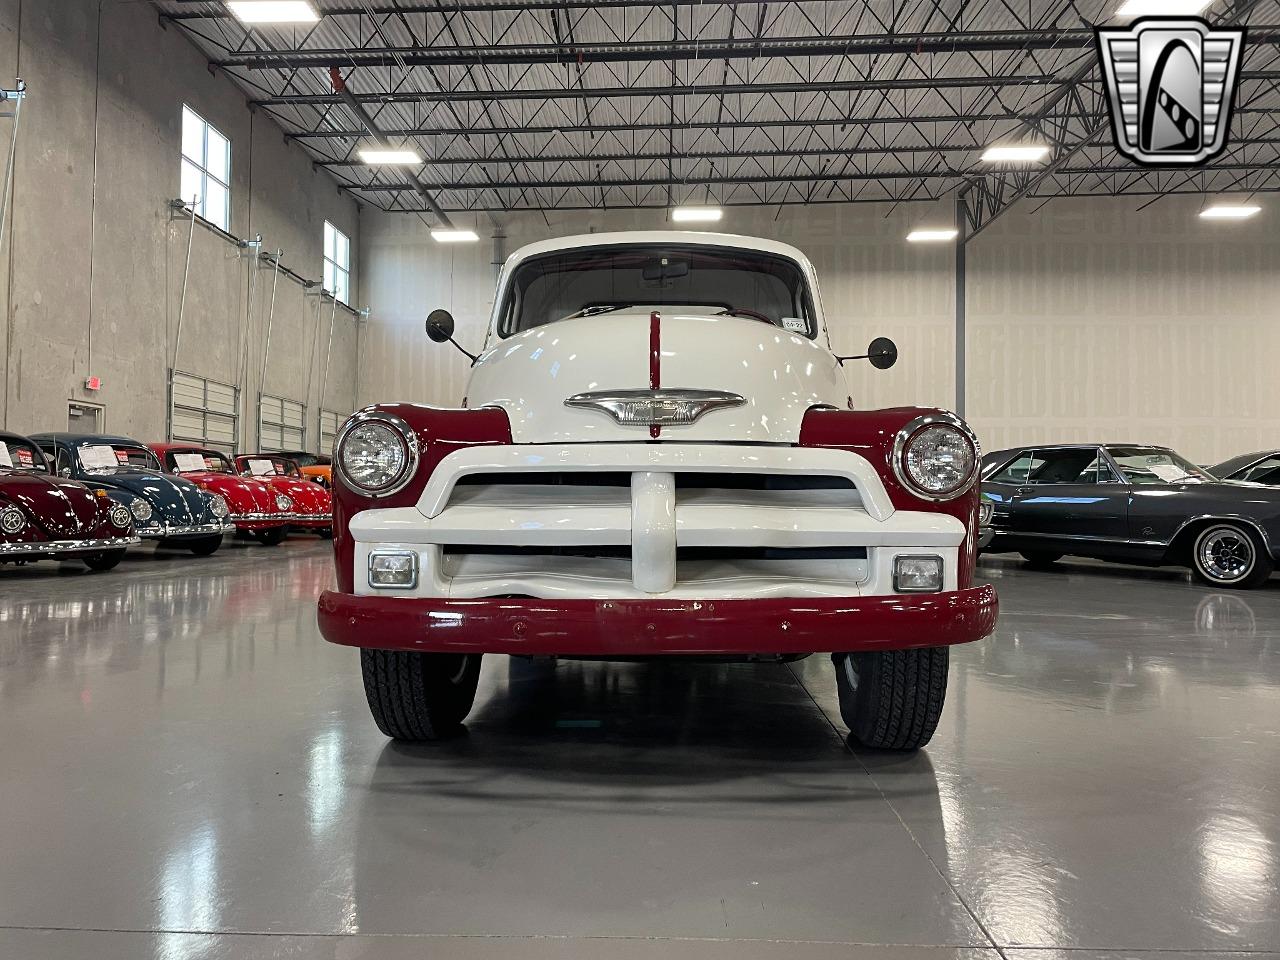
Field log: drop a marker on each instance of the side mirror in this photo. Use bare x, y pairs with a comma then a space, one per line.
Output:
440, 326
883, 353
65, 472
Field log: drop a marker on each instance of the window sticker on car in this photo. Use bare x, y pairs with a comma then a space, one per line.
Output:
795, 325
98, 457
26, 458
122, 456
5, 459
1169, 472
261, 468
189, 462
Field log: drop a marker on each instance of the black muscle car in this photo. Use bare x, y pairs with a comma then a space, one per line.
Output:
1132, 503
1260, 467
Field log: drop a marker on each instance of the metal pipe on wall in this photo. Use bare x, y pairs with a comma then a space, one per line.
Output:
324, 379
271, 317
182, 300
962, 242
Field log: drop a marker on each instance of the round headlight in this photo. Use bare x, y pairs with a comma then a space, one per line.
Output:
141, 510
936, 457
119, 516
219, 506
12, 520
283, 503
377, 456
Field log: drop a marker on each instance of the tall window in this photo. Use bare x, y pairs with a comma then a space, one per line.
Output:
337, 263
206, 169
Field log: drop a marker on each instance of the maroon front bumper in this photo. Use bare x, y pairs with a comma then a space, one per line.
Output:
627, 628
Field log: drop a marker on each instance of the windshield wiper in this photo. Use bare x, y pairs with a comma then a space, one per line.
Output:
596, 310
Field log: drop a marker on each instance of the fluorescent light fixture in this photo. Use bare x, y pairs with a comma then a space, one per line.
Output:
273, 11
386, 155
455, 236
1015, 153
1229, 211
696, 214
1162, 8
932, 236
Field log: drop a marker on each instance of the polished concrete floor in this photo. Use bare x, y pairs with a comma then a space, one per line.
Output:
187, 771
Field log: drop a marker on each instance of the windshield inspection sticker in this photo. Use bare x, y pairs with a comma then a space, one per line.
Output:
99, 457
795, 325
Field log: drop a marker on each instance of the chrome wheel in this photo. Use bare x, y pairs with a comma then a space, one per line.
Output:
1225, 554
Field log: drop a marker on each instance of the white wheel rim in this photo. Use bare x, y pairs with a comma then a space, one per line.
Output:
1225, 554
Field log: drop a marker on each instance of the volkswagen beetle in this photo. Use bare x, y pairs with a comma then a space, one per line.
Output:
312, 502
256, 508
165, 508
656, 456
313, 466
47, 517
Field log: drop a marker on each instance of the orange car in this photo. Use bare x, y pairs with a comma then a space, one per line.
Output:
314, 466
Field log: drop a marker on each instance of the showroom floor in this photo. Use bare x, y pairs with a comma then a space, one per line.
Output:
186, 770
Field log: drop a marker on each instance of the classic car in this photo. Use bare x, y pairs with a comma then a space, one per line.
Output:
313, 466
1261, 467
656, 456
47, 517
1132, 503
986, 511
256, 508
312, 502
166, 508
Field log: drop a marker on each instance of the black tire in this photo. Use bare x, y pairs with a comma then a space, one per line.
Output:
1231, 556
106, 560
205, 545
272, 537
892, 699
1040, 559
419, 696
326, 533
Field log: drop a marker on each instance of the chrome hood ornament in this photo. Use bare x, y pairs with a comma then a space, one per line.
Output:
646, 408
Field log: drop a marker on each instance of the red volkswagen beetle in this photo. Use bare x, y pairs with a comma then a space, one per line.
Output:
257, 507
312, 503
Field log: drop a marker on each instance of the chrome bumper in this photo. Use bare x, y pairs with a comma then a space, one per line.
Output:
197, 530
47, 547
260, 517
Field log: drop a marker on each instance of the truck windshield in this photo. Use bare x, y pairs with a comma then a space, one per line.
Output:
711, 280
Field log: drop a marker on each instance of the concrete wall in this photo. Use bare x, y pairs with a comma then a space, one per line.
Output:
1088, 319
92, 267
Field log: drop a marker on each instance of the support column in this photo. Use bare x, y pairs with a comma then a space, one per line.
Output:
962, 241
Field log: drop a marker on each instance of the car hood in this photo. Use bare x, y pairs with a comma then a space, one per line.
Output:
243, 494
779, 375
307, 495
178, 500
63, 509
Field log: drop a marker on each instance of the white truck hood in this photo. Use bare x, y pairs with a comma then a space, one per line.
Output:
779, 374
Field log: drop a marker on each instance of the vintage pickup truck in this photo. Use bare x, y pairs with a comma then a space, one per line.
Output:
656, 456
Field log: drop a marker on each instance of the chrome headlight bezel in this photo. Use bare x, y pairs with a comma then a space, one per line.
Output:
12, 521
901, 448
218, 506
283, 503
119, 516
403, 434
141, 510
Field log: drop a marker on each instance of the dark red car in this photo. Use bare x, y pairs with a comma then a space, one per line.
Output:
47, 517
312, 503
256, 507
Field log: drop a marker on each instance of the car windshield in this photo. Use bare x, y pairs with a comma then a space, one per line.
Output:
572, 283
17, 455
267, 466
198, 461
115, 458
1152, 465
309, 459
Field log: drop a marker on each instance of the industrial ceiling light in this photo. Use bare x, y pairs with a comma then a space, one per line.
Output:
273, 11
454, 236
933, 235
1162, 8
1015, 153
388, 155
1229, 211
696, 214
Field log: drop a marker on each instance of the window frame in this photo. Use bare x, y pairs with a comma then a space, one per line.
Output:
204, 170
339, 268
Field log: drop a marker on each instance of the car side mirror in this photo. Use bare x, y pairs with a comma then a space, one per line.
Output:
65, 472
882, 352
440, 326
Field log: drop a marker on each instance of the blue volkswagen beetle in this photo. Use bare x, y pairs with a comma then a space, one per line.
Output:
164, 507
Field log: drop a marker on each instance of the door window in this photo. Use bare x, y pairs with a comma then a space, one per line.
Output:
1017, 471
1065, 465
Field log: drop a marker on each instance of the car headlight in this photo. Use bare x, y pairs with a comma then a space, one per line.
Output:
283, 503
377, 453
119, 516
219, 506
936, 456
12, 520
141, 510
